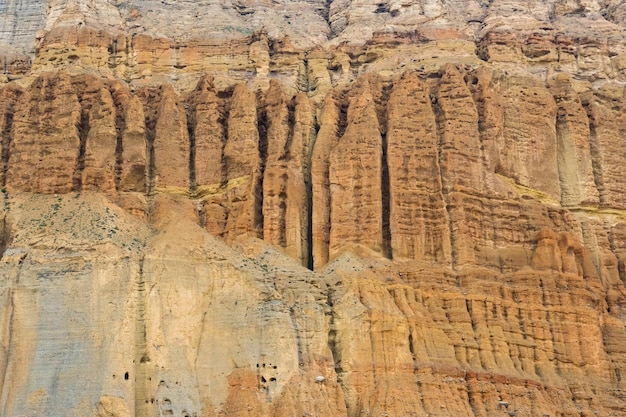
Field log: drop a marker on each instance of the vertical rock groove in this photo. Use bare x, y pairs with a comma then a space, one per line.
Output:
237, 210
7, 124
485, 86
141, 360
120, 127
51, 112
385, 185
167, 140
326, 140
207, 121
289, 126
385, 200
277, 133
131, 148
9, 97
611, 115
419, 173
150, 123
333, 344
459, 156
308, 133
262, 123
567, 173
191, 132
83, 132
171, 142
439, 120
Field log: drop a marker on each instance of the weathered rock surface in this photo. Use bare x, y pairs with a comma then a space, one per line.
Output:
419, 224
48, 117
355, 178
308, 44
345, 208
481, 275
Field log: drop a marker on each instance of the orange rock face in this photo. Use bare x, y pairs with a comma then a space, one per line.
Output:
388, 227
49, 116
419, 224
464, 229
355, 172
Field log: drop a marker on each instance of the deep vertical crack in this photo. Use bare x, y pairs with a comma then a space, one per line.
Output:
150, 121
333, 342
190, 117
386, 200
308, 184
262, 149
120, 126
439, 121
296, 329
382, 115
83, 132
7, 138
304, 83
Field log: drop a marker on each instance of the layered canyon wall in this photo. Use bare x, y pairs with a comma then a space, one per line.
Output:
401, 209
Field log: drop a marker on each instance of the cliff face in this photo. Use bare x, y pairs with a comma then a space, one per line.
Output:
399, 208
309, 45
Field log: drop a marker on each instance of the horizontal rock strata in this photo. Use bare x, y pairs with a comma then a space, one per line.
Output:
465, 231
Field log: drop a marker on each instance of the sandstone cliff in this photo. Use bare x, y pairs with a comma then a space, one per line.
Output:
307, 208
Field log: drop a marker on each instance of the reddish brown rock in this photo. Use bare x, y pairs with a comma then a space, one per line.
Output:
500, 46
419, 223
605, 108
207, 116
486, 87
236, 210
618, 243
522, 313
45, 137
98, 134
577, 182
325, 142
459, 140
298, 211
9, 96
530, 148
460, 159
241, 152
170, 146
168, 140
285, 197
278, 133
355, 175
131, 127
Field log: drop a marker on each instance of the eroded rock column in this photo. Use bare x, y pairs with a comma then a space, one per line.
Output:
418, 218
355, 173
